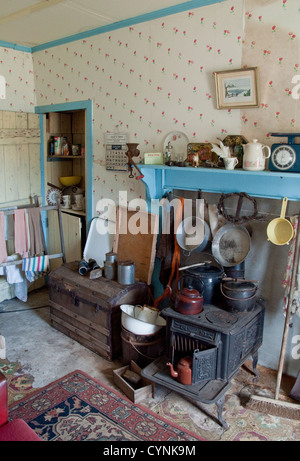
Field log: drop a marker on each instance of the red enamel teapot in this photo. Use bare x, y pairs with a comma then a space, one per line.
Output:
189, 301
184, 370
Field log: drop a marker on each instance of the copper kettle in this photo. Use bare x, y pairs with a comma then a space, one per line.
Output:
184, 370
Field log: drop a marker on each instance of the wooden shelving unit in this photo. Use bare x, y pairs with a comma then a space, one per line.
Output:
51, 158
71, 125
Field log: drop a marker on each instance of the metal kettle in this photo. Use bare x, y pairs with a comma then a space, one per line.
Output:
189, 301
184, 370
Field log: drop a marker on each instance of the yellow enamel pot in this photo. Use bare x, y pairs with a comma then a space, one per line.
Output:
280, 230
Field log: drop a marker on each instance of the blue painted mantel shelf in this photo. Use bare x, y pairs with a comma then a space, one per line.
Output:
160, 179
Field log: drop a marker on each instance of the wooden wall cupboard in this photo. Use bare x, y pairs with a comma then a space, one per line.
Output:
69, 125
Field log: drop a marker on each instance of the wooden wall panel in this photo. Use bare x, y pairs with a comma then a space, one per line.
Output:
34, 169
9, 119
33, 121
20, 175
12, 172
20, 171
23, 163
21, 120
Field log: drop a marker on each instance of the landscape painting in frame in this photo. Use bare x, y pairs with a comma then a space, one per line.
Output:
237, 88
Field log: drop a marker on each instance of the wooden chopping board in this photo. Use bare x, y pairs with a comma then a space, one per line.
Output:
135, 240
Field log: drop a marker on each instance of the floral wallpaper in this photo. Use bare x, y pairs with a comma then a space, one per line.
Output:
153, 78
271, 42
147, 81
17, 88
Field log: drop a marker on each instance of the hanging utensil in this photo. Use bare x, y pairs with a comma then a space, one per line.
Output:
280, 231
133, 163
231, 245
133, 151
237, 219
192, 234
193, 265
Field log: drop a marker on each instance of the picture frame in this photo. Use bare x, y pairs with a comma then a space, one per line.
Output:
237, 89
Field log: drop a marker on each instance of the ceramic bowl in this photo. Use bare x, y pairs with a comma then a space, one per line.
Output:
146, 313
70, 180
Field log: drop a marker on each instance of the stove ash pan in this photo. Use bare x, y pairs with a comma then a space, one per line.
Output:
217, 352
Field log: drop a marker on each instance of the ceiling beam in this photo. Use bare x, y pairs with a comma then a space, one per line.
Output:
29, 10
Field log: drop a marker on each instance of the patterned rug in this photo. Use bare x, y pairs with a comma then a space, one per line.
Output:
19, 384
78, 408
244, 424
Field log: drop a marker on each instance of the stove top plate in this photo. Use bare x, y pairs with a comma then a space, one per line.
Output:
221, 318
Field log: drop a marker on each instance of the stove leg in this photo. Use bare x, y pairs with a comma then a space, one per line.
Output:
220, 405
254, 361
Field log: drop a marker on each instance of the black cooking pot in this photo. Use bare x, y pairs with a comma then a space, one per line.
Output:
239, 289
239, 295
211, 277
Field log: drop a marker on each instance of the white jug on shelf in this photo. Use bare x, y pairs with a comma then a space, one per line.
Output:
255, 155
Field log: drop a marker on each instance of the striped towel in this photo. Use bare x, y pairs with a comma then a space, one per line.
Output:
36, 267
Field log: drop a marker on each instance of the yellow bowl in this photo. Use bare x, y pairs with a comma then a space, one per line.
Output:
70, 180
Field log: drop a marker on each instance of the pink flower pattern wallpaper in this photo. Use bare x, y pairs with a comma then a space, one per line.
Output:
17, 81
153, 78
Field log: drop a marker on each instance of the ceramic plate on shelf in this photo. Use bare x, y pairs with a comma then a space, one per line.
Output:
179, 142
54, 196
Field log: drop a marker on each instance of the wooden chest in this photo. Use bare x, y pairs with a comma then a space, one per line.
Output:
88, 311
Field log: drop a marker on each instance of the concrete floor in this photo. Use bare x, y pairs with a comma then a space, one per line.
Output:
47, 355
44, 352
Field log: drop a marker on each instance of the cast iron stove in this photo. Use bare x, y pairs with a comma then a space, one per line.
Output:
219, 343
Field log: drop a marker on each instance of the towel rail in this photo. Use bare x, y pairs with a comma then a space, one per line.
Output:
19, 261
11, 210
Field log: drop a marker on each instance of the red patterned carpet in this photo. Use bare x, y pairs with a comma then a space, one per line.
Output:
78, 408
19, 383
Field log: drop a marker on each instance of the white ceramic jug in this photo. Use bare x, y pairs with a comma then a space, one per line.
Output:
254, 158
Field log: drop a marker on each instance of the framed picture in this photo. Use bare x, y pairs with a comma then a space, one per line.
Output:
237, 88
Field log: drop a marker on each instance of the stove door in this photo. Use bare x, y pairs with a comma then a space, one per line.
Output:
204, 364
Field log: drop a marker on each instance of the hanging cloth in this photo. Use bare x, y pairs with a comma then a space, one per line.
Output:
36, 267
14, 276
35, 235
21, 230
286, 283
175, 259
3, 250
9, 226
